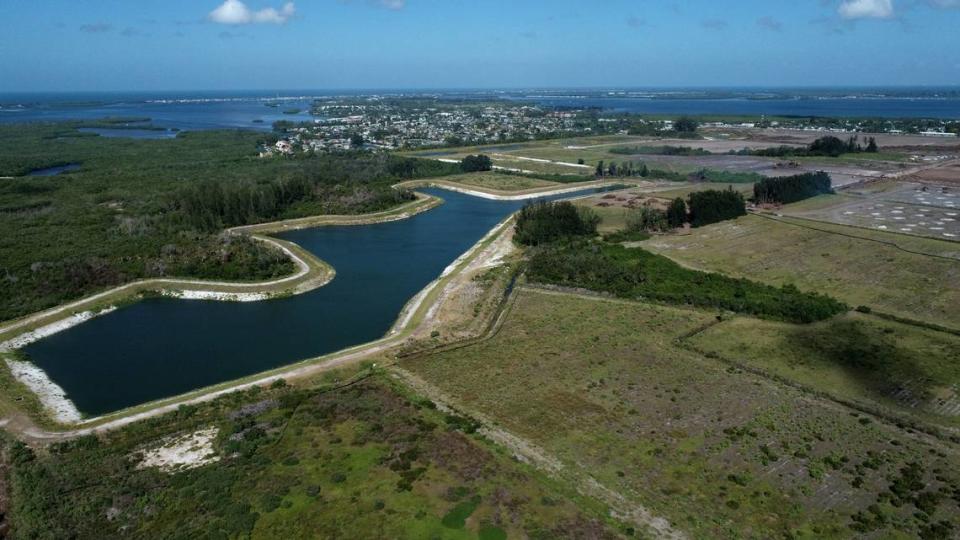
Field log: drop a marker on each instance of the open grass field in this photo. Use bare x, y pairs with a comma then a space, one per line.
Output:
363, 461
499, 182
561, 156
603, 386
907, 370
848, 263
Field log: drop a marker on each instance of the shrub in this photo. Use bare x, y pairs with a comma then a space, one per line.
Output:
476, 163
646, 219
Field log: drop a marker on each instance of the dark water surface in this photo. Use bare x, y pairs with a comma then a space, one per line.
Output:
131, 133
188, 112
164, 347
830, 107
54, 171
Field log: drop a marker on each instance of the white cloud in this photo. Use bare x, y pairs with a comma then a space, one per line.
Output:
392, 4
236, 12
866, 9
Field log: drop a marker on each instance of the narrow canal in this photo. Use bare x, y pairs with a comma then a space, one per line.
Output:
163, 347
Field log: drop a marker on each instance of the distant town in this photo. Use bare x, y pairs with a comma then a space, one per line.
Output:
398, 123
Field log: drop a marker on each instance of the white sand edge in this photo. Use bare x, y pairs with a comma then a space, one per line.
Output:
187, 294
48, 330
181, 452
521, 197
53, 398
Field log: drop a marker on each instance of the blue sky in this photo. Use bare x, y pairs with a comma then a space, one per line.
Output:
67, 45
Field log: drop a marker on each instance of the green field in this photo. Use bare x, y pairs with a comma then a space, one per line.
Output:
855, 269
685, 191
499, 182
603, 385
888, 366
361, 461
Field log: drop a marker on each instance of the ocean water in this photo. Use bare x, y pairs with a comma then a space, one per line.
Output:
186, 112
834, 107
249, 109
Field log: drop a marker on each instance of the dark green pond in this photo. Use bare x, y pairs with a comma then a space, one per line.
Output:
164, 347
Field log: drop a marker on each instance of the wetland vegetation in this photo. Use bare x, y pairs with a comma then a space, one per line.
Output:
156, 208
330, 459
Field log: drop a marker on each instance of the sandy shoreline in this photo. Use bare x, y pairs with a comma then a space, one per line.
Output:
53, 398
48, 330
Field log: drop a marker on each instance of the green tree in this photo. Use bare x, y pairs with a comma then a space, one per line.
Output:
543, 222
476, 163
712, 206
685, 124
677, 213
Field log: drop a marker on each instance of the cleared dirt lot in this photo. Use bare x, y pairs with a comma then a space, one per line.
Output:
948, 175
902, 207
884, 140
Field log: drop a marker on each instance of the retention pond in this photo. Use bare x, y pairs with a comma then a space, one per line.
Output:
164, 347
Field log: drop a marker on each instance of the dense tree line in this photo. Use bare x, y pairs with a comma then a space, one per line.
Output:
828, 146
630, 169
543, 222
791, 188
348, 183
476, 163
638, 274
626, 169
712, 206
660, 150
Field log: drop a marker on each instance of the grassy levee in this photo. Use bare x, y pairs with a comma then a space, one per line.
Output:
604, 387
857, 266
455, 184
42, 428
495, 183
353, 455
